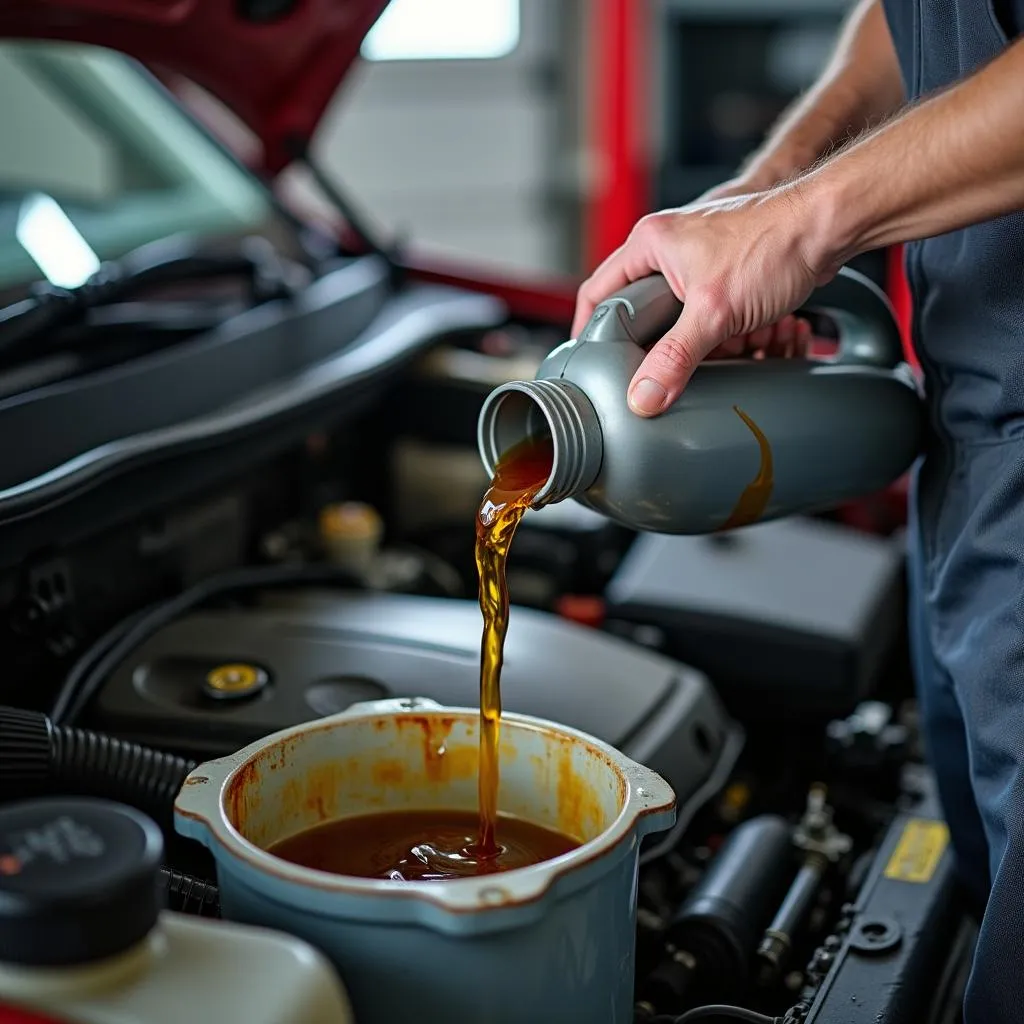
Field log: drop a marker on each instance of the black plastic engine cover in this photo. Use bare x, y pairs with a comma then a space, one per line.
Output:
791, 616
214, 681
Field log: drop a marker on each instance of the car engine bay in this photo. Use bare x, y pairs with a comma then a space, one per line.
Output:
301, 545
237, 495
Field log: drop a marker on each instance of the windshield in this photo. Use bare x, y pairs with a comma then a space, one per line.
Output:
97, 160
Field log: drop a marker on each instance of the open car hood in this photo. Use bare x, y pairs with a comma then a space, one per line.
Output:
274, 63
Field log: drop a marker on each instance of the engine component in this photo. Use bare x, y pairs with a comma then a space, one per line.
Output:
434, 484
822, 845
39, 757
587, 547
350, 535
83, 936
716, 930
778, 939
323, 652
78, 881
724, 1012
118, 643
868, 739
902, 950
189, 895
760, 612
45, 609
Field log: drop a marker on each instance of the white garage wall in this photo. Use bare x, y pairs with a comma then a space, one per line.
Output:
461, 155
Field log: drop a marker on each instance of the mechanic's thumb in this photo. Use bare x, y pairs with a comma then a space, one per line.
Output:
670, 363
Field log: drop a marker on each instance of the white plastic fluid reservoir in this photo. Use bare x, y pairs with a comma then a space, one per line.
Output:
83, 938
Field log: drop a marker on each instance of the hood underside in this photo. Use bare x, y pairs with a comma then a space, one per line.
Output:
275, 64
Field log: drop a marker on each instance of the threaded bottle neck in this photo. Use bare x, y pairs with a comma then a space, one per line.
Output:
557, 409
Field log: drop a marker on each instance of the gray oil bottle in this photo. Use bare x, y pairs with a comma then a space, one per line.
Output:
747, 440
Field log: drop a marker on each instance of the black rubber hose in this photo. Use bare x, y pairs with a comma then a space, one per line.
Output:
127, 772
189, 895
37, 757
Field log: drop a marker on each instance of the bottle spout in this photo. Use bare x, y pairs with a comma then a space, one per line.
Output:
556, 409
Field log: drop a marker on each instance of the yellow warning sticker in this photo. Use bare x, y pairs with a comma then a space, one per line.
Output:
919, 851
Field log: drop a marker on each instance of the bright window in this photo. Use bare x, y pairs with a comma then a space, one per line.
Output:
444, 30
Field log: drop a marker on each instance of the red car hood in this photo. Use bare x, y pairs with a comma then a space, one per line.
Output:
276, 68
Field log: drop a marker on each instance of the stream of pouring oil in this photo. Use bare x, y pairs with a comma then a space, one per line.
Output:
519, 475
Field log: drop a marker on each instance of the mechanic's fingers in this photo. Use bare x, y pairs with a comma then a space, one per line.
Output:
634, 259
670, 363
607, 279
803, 338
783, 338
791, 339
760, 339
733, 348
584, 310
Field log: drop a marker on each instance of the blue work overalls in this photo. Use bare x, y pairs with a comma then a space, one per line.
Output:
967, 514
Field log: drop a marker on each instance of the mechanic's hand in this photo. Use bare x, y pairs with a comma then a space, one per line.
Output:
740, 265
786, 339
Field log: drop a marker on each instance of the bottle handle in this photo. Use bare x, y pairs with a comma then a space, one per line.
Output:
868, 332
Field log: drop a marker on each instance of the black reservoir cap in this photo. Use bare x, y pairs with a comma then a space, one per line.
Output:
79, 880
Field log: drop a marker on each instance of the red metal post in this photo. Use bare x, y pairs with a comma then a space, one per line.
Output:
899, 295
619, 122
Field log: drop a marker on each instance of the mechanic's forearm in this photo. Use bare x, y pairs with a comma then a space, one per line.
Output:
954, 160
860, 86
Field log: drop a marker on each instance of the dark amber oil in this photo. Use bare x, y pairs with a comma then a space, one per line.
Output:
418, 846
754, 499
521, 472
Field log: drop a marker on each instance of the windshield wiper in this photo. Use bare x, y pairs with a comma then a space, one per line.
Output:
168, 261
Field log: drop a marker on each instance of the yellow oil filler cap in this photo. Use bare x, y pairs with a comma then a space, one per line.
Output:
234, 681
